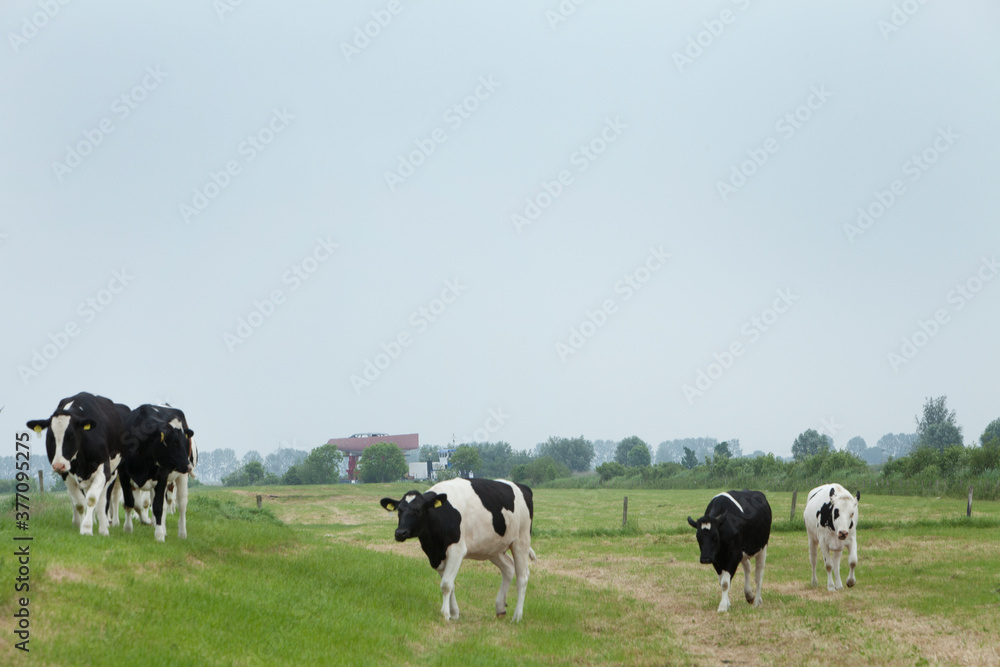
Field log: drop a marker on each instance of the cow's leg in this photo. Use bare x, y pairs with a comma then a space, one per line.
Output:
113, 499
747, 591
761, 560
182, 503
724, 579
852, 560
102, 506
506, 565
835, 562
828, 562
95, 493
160, 532
521, 555
77, 498
147, 506
128, 497
449, 605
813, 544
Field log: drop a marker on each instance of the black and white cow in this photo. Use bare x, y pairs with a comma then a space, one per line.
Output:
735, 528
158, 452
84, 443
831, 517
471, 518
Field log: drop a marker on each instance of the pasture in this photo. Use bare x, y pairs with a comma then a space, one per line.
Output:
316, 578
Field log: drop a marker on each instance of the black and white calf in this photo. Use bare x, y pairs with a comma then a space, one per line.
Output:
158, 452
480, 519
831, 517
735, 528
84, 447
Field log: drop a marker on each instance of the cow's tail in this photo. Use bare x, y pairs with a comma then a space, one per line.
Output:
531, 554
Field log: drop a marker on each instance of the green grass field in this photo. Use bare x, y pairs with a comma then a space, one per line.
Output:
315, 578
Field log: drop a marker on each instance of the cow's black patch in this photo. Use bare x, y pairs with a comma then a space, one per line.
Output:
528, 500
495, 496
444, 528
825, 515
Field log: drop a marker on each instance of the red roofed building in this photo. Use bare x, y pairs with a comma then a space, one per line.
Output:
358, 443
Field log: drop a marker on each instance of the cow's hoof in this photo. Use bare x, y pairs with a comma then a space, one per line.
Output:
850, 583
749, 596
832, 589
759, 602
104, 532
501, 614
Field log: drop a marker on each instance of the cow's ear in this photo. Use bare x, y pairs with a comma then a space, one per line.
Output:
88, 424
831, 492
721, 519
858, 496
188, 432
694, 524
389, 504
436, 499
163, 436
38, 425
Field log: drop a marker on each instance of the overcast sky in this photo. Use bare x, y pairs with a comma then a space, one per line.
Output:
727, 219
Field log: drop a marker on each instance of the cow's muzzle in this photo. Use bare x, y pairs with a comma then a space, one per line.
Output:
401, 535
60, 466
706, 561
842, 535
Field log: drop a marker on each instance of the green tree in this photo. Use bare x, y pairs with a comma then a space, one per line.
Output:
321, 466
857, 446
638, 456
251, 474
809, 443
576, 453
497, 458
610, 469
722, 451
382, 462
690, 459
990, 433
429, 452
625, 446
936, 428
541, 469
465, 459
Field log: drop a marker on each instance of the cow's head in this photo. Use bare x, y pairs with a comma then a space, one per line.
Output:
839, 513
173, 449
708, 535
66, 435
413, 511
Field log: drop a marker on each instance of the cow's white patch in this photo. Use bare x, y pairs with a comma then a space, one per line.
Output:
68, 405
58, 426
176, 423
706, 526
726, 495
409, 498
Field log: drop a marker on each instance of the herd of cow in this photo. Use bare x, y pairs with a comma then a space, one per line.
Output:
105, 451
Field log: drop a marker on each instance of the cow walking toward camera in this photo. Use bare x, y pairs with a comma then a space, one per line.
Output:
831, 517
735, 528
480, 519
84, 447
159, 452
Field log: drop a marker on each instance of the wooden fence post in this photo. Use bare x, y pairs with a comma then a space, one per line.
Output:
625, 512
968, 510
795, 496
41, 485
258, 501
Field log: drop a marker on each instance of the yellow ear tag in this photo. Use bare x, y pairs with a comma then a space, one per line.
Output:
86, 427
390, 506
162, 437
437, 503
38, 429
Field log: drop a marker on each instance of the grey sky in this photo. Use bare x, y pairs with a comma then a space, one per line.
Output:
308, 135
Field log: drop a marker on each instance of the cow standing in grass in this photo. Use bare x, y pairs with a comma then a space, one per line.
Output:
735, 528
159, 452
84, 445
831, 518
471, 518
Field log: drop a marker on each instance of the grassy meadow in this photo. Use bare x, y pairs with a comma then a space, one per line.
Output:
316, 578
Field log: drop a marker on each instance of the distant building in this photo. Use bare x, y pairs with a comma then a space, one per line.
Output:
354, 446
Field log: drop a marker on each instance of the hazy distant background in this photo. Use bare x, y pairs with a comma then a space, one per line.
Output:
198, 80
